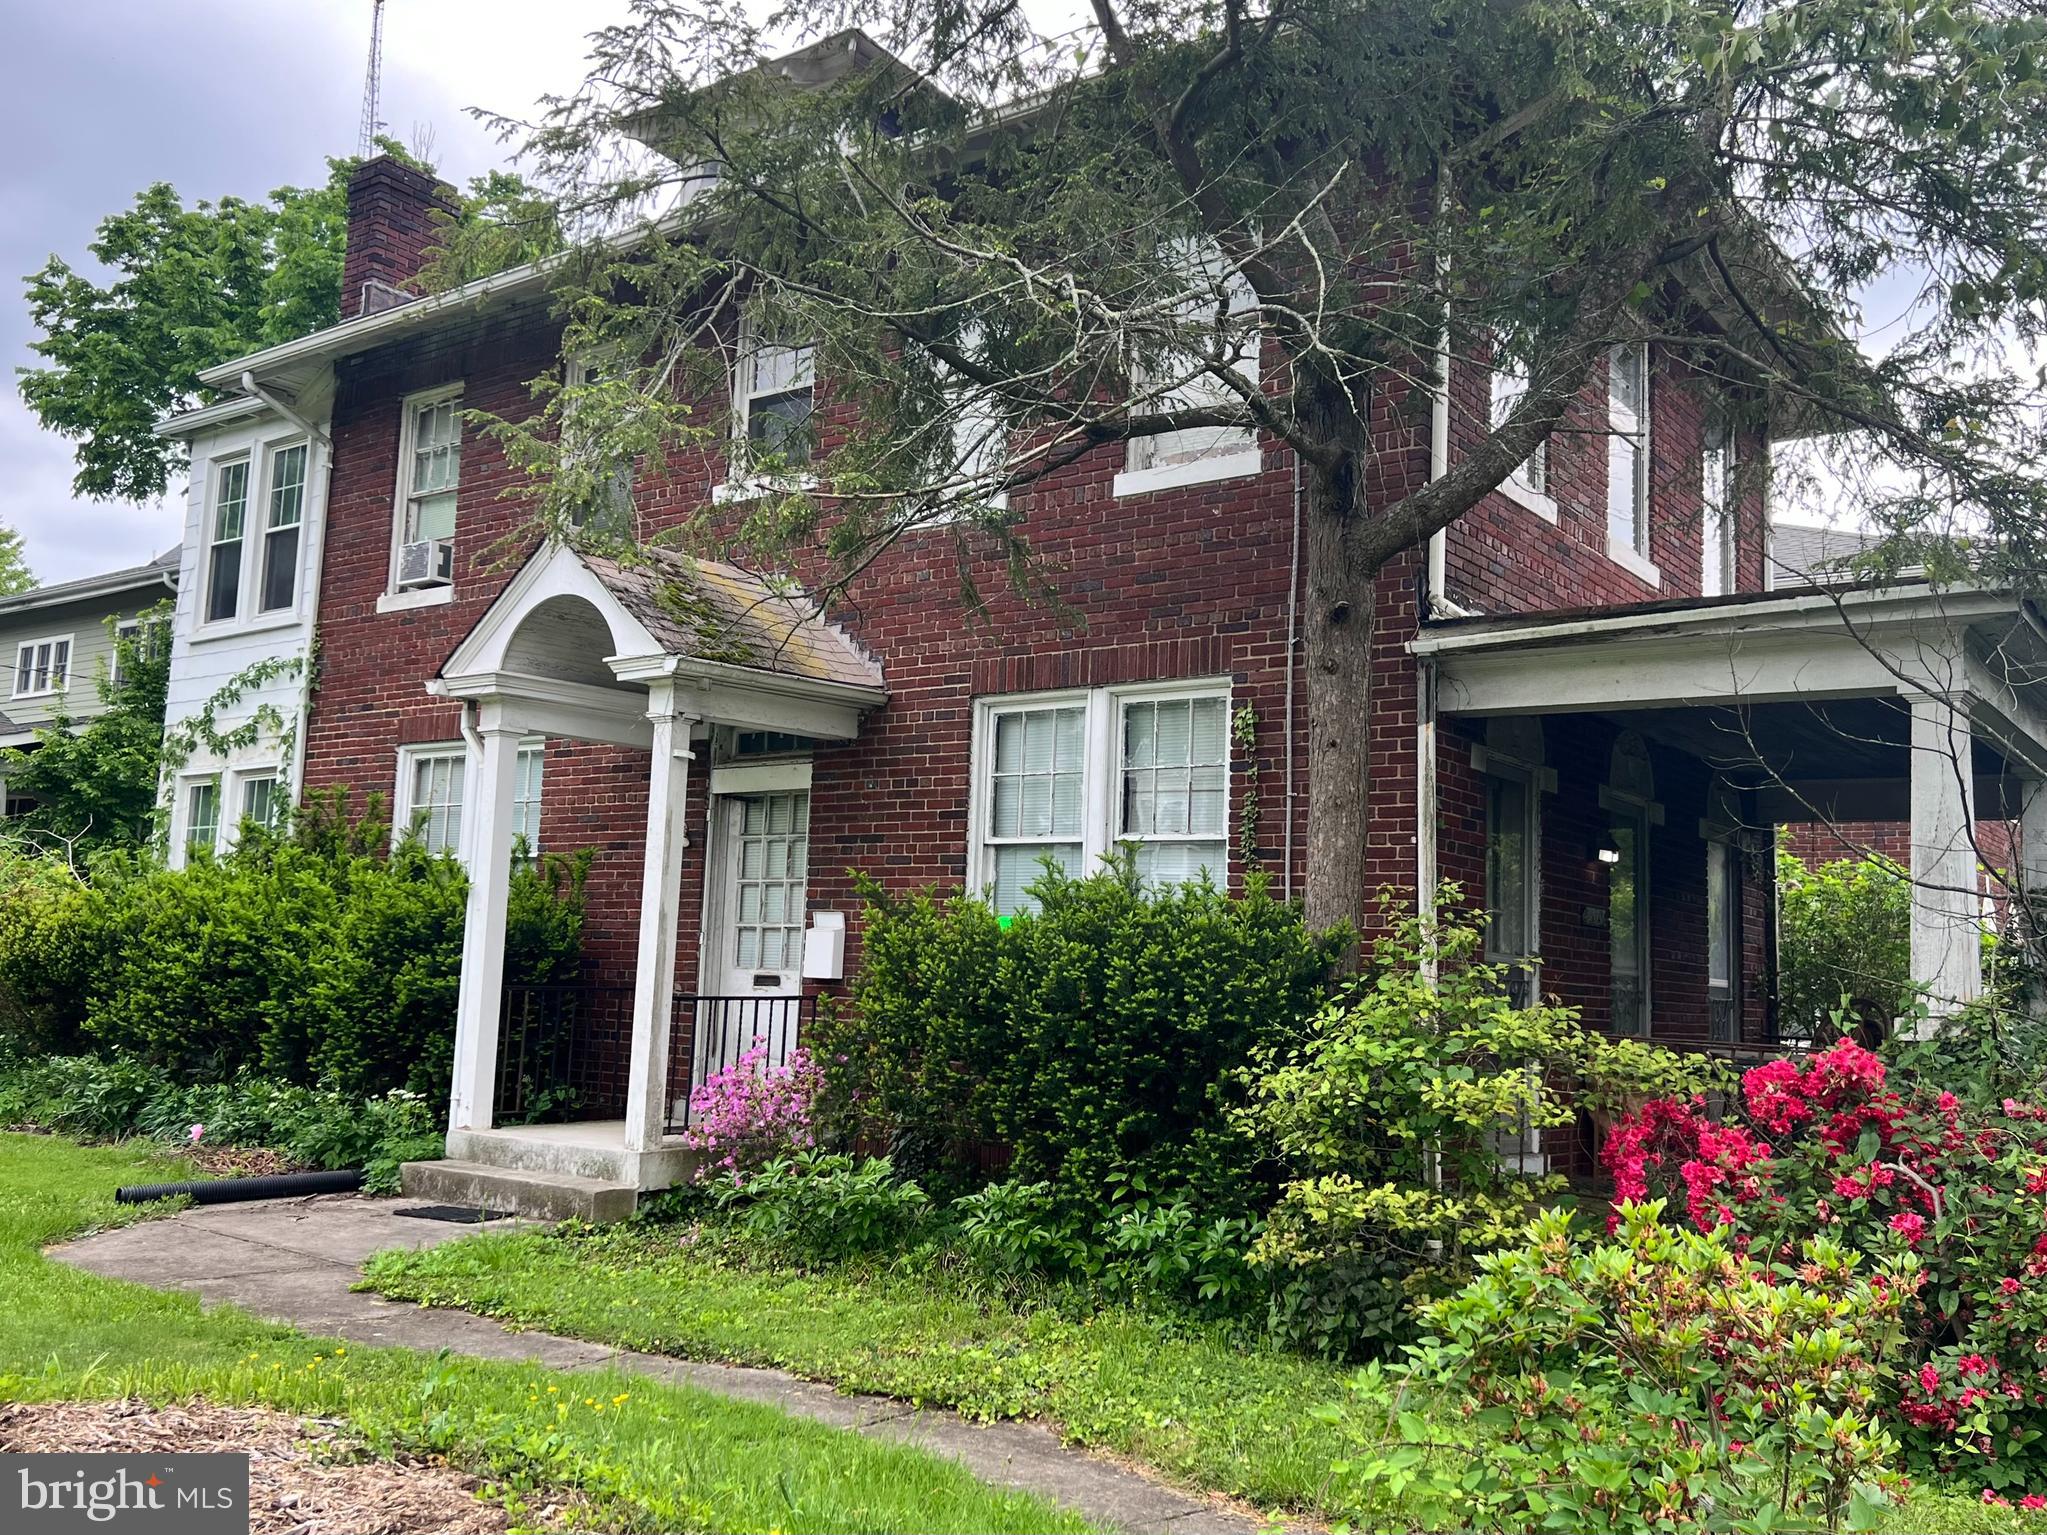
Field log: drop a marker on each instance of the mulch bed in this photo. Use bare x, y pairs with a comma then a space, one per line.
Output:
302, 1479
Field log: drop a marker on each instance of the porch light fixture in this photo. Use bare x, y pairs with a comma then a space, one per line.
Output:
1608, 855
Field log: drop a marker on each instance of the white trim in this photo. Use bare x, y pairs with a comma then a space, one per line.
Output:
1636, 564
761, 777
401, 489
51, 690
753, 487
1518, 491
1194, 471
1634, 425
409, 756
1103, 711
740, 394
418, 597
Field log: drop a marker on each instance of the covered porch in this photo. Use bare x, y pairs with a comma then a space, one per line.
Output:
1907, 704
663, 656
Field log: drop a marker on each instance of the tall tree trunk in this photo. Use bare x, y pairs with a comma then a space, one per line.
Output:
1339, 613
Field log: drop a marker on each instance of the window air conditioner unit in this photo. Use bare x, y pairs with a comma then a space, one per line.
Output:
430, 562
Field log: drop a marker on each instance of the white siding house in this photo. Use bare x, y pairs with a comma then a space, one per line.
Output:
248, 591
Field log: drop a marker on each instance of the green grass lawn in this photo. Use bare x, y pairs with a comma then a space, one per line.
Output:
1190, 1403
643, 1456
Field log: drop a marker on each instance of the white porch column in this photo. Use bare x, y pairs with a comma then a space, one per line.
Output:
491, 782
1946, 904
646, 1104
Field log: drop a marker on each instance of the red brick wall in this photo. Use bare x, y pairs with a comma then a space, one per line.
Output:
391, 226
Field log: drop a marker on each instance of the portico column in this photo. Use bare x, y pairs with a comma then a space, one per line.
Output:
491, 785
646, 1105
1946, 904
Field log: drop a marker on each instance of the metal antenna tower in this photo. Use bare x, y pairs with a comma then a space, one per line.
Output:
372, 84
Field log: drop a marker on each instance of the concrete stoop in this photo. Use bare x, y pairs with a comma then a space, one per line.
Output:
548, 1196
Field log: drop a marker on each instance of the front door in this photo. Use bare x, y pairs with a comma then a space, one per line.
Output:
753, 966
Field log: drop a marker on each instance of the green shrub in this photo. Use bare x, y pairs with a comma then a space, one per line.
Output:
1014, 1233
1657, 1379
1391, 1119
1844, 956
1103, 1039
1165, 1256
317, 955
821, 1208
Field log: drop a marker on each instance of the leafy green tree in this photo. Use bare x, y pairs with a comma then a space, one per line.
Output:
15, 576
194, 286
1078, 241
94, 786
1844, 948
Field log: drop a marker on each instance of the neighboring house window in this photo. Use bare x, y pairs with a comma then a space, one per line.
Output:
277, 586
1071, 776
42, 667
526, 798
224, 540
773, 393
1627, 459
259, 800
429, 475
1528, 484
980, 435
1716, 493
1723, 939
127, 631
1174, 383
432, 784
202, 816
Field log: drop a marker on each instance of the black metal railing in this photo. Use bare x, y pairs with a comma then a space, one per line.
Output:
708, 1035
552, 1042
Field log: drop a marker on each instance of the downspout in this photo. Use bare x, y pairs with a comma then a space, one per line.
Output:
316, 553
1293, 595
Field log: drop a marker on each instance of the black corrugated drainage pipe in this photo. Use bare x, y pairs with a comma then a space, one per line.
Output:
221, 1191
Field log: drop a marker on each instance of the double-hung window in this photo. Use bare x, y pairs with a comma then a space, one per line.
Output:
202, 815
432, 793
227, 526
259, 800
1217, 316
277, 583
429, 477
773, 392
1529, 483
601, 480
1716, 495
42, 667
1627, 457
1072, 776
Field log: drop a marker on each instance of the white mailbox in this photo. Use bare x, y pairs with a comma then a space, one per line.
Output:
824, 947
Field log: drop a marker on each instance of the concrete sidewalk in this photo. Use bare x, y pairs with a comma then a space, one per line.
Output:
293, 1261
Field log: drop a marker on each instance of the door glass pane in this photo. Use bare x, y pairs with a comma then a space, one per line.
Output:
1507, 869
1626, 915
768, 867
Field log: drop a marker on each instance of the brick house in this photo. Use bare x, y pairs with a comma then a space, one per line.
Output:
1556, 678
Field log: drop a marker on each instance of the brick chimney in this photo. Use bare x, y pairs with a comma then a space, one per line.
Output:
391, 227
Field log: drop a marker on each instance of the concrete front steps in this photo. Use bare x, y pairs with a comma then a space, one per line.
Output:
547, 1172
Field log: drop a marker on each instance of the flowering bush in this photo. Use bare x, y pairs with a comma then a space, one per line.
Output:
1833, 1148
747, 1115
1660, 1379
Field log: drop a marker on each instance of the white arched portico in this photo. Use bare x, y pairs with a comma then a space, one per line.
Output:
640, 655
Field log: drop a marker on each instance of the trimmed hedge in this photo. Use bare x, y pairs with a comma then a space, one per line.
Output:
320, 955
1103, 1039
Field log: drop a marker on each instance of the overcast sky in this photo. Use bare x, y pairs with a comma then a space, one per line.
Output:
218, 97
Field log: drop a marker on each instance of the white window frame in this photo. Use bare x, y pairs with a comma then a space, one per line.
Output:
210, 541
532, 749
188, 785
1631, 427
393, 597
259, 545
54, 686
247, 780
580, 373
124, 628
403, 809
743, 479
1528, 485
1226, 460
1101, 768
1718, 512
